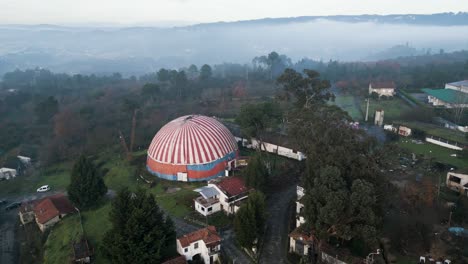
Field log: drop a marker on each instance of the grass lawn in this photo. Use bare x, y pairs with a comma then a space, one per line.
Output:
393, 108
58, 247
438, 153
347, 103
178, 203
438, 131
57, 177
96, 223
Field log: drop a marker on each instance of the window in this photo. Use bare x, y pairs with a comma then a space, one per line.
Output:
203, 209
454, 179
210, 209
195, 246
185, 250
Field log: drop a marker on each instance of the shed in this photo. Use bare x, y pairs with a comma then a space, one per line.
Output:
82, 252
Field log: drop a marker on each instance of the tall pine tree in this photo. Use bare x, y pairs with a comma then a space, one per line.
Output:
256, 173
249, 222
140, 232
86, 185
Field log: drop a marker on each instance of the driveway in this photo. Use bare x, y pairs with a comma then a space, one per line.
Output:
8, 242
276, 236
230, 249
8, 220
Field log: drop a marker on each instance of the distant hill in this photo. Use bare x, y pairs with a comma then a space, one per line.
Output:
138, 50
440, 19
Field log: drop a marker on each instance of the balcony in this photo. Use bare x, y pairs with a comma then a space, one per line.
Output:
206, 202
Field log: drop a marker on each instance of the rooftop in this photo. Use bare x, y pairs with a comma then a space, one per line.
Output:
51, 207
231, 186
448, 95
459, 83
208, 235
207, 191
81, 249
383, 85
176, 260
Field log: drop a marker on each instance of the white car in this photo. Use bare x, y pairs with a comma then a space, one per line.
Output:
43, 188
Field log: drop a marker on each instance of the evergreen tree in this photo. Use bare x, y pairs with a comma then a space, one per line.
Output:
256, 173
250, 220
86, 184
140, 233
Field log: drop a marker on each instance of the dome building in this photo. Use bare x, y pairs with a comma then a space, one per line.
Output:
192, 148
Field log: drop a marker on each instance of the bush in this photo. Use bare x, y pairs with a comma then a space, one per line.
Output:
391, 137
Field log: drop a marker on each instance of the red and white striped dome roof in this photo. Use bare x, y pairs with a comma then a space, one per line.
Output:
192, 139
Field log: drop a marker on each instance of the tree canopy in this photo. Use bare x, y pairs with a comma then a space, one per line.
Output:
340, 172
256, 173
205, 72
249, 221
140, 232
256, 119
86, 184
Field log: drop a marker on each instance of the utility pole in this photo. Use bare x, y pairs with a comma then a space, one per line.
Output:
367, 109
438, 190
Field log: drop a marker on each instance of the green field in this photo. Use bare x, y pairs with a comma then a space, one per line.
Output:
176, 198
58, 247
435, 152
438, 131
348, 104
393, 108
57, 177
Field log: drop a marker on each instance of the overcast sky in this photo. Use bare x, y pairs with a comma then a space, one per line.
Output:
193, 11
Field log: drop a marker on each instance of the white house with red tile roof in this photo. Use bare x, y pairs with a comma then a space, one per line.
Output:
221, 194
50, 210
204, 242
382, 88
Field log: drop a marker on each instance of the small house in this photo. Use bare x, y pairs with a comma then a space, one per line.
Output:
222, 194
404, 131
461, 86
300, 241
26, 161
51, 210
82, 252
7, 173
382, 88
457, 182
202, 244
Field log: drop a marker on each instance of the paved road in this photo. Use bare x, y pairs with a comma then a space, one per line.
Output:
276, 236
8, 247
229, 248
8, 220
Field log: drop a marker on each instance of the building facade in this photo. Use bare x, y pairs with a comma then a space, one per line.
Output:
206, 243
7, 173
382, 88
222, 194
192, 148
457, 182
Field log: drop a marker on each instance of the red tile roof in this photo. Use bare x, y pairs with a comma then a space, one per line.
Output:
176, 260
208, 235
51, 207
382, 85
232, 186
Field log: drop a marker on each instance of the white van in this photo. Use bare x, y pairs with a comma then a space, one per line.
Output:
43, 188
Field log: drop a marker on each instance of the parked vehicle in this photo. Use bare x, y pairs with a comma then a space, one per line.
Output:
43, 188
12, 206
